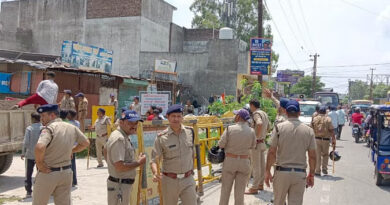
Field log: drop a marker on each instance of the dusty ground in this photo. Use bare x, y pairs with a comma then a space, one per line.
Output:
91, 187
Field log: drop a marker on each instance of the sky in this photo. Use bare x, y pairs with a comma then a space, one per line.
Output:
345, 33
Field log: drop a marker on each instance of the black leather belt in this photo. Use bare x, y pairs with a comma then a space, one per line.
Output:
122, 181
285, 169
322, 138
60, 168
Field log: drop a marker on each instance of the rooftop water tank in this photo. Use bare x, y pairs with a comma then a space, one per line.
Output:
226, 33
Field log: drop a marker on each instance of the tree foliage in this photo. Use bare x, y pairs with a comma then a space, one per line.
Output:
218, 108
380, 90
212, 14
304, 86
359, 90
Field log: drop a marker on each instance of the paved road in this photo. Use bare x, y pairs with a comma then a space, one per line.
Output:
352, 183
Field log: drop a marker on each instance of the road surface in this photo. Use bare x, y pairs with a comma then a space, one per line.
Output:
352, 183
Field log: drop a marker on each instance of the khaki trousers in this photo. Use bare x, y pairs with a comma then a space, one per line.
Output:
173, 189
258, 166
322, 154
58, 184
99, 143
114, 189
237, 171
291, 184
81, 118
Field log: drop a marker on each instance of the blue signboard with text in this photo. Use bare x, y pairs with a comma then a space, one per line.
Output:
80, 55
260, 62
260, 44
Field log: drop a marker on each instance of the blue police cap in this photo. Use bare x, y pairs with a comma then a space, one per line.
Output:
47, 108
102, 110
68, 92
283, 102
292, 106
79, 95
123, 109
131, 116
322, 109
175, 109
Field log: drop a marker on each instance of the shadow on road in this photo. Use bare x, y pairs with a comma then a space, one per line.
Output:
330, 178
9, 183
265, 195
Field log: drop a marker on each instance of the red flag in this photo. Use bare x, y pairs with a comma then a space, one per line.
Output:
223, 98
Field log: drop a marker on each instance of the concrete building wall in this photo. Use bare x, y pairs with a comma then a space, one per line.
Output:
154, 36
114, 34
176, 38
195, 46
158, 11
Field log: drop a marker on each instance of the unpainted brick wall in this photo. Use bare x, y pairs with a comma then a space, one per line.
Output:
113, 8
200, 34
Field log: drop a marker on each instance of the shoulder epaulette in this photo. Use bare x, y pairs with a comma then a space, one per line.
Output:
162, 133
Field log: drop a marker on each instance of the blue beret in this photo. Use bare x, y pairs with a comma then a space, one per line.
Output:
79, 95
292, 106
68, 91
102, 110
131, 116
175, 109
47, 108
323, 109
283, 102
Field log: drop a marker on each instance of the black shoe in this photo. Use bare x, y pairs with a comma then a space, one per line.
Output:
317, 174
28, 195
100, 165
325, 172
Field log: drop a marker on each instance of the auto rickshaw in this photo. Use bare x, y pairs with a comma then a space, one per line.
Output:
380, 148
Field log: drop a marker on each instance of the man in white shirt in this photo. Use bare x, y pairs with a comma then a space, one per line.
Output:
136, 106
46, 93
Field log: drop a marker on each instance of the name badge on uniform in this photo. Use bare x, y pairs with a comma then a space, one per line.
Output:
171, 146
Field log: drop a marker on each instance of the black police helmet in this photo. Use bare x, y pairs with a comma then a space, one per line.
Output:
216, 155
335, 155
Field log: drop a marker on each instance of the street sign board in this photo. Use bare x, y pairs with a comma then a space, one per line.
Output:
260, 44
156, 99
260, 62
165, 66
289, 76
80, 55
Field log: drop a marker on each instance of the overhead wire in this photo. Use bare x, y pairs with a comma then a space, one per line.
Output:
361, 8
296, 22
306, 25
280, 34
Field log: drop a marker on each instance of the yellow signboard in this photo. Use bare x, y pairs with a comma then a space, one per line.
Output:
110, 112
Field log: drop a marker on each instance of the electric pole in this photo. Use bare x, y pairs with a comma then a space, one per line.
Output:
372, 82
260, 29
314, 74
349, 90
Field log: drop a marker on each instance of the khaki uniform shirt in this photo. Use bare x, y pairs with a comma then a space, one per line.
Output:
68, 104
177, 151
120, 148
261, 118
83, 107
137, 108
322, 126
280, 119
114, 103
101, 125
59, 138
293, 140
238, 139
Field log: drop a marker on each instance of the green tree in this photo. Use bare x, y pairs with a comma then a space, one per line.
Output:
359, 90
304, 86
380, 90
212, 14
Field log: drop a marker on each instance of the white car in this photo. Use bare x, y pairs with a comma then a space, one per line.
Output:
307, 110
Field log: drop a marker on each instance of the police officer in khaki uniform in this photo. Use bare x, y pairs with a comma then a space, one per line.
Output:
101, 134
53, 157
176, 147
237, 140
120, 156
260, 125
82, 110
291, 140
323, 130
67, 102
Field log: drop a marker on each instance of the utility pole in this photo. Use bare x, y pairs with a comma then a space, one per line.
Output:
372, 82
349, 90
314, 74
260, 29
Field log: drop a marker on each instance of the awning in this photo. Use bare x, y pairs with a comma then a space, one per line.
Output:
135, 82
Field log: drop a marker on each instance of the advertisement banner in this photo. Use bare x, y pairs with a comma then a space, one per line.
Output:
158, 100
289, 76
260, 62
152, 196
20, 83
165, 66
80, 55
260, 44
